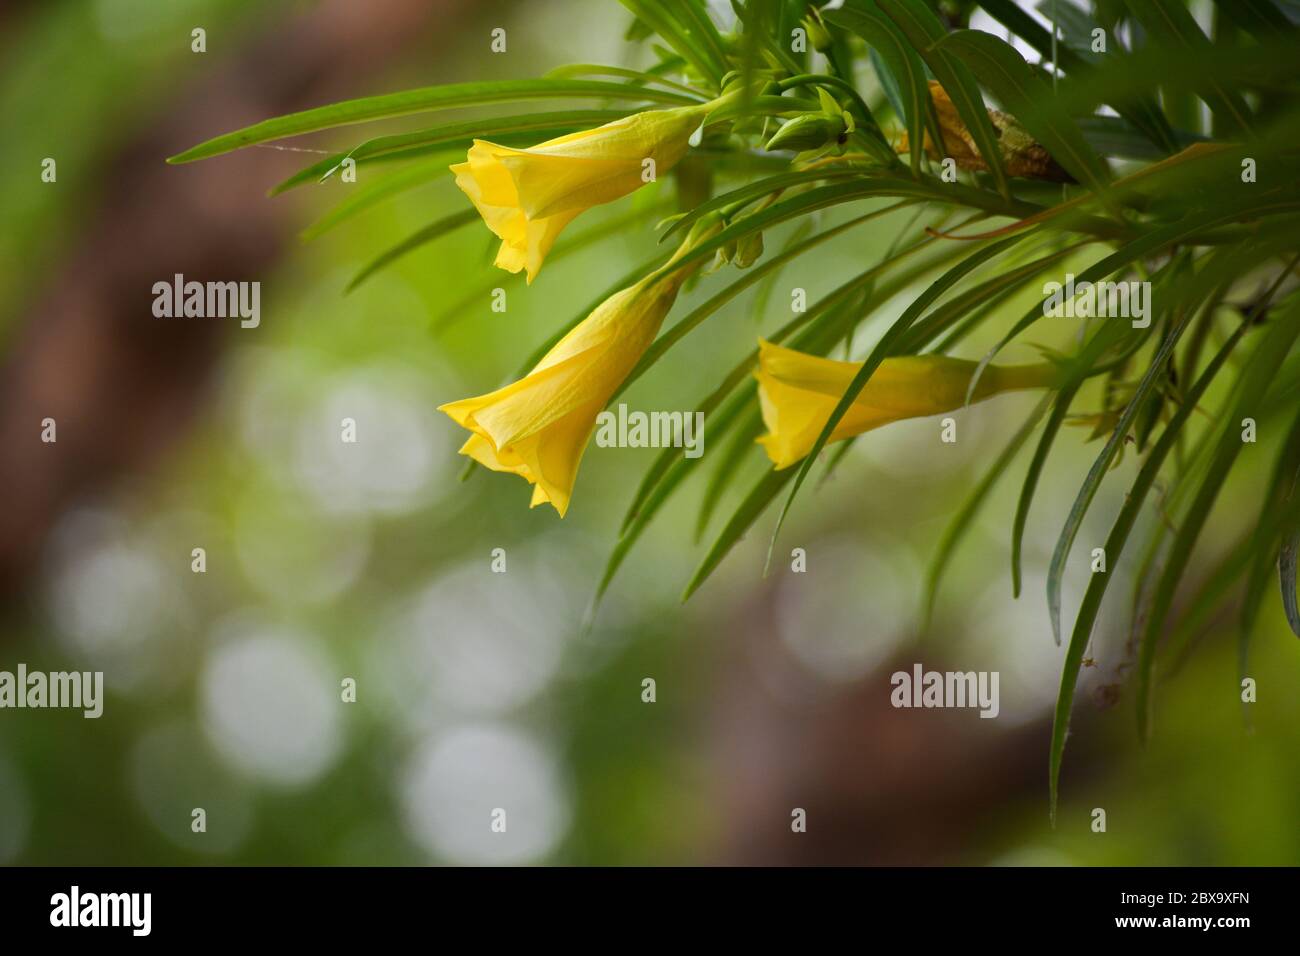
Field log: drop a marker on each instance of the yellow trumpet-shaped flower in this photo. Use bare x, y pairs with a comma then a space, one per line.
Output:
526, 196
798, 392
539, 426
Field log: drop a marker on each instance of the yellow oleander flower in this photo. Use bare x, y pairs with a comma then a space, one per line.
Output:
539, 426
798, 392
526, 196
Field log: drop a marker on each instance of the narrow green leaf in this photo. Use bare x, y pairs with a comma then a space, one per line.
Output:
522, 130
740, 444
1171, 21
1060, 408
680, 466
1074, 27
742, 196
719, 420
893, 92
904, 67
1092, 481
1080, 368
763, 295
430, 232
422, 100
571, 70
1211, 595
373, 193
985, 298
1114, 547
1120, 138
923, 29
1256, 376
963, 519
700, 28
684, 37
755, 503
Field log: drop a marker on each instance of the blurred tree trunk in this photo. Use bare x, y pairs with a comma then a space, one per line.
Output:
88, 352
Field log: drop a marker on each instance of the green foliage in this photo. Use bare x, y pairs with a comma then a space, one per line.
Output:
1168, 197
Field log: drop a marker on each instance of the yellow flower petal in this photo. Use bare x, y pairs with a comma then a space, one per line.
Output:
798, 392
527, 196
539, 426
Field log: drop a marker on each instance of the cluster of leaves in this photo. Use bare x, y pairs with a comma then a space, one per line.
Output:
1152, 179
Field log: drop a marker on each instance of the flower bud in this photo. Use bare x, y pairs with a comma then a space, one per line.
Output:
818, 35
810, 131
748, 250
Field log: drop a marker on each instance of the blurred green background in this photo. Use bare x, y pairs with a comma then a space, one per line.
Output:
373, 561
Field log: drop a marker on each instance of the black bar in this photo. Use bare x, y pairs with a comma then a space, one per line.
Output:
330, 906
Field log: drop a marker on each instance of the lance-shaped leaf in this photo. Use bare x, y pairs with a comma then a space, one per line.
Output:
423, 100
739, 445
742, 196
923, 29
1083, 366
885, 39
767, 487
1114, 546
1092, 481
962, 520
571, 70
373, 193
1256, 376
656, 495
522, 130
412, 242
1170, 21
684, 33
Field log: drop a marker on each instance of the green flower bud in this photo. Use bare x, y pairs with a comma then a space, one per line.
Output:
818, 34
810, 131
748, 250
